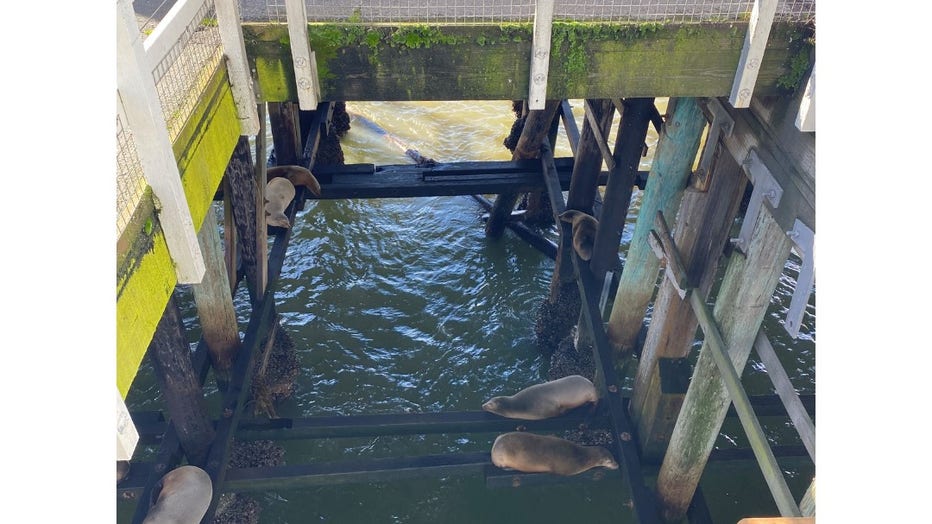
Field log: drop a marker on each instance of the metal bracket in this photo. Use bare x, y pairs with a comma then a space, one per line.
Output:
765, 187
804, 240
720, 125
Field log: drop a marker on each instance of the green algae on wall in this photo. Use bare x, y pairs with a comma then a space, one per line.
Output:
491, 61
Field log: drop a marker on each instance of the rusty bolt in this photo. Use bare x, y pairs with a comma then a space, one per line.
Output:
625, 436
522, 427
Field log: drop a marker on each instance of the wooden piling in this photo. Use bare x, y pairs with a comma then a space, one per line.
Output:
703, 224
262, 237
559, 311
215, 303
180, 389
286, 132
242, 185
535, 130
741, 304
672, 165
539, 212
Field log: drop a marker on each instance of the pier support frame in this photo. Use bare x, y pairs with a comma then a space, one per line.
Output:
673, 162
535, 130
740, 307
215, 303
240, 175
703, 224
181, 390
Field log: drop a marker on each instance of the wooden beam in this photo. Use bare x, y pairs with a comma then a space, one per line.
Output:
536, 127
741, 305
673, 161
240, 173
784, 388
230, 246
490, 61
127, 436
752, 54
286, 133
139, 101
169, 30
180, 388
569, 125
234, 48
303, 58
262, 237
805, 119
600, 138
544, 245
540, 54
703, 227
214, 301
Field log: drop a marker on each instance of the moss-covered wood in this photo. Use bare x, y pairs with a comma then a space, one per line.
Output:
145, 273
491, 62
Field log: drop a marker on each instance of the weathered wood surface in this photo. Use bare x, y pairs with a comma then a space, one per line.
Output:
536, 126
769, 129
261, 176
490, 62
784, 388
673, 161
180, 388
214, 302
755, 42
663, 396
286, 135
742, 302
544, 245
627, 156
703, 225
243, 197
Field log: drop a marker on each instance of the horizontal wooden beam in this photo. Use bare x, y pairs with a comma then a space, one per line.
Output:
490, 61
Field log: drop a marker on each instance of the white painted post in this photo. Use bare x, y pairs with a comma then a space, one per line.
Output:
305, 63
136, 91
231, 35
805, 120
754, 43
540, 54
127, 436
169, 30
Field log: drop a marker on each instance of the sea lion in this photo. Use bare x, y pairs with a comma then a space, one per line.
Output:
183, 498
297, 175
122, 470
546, 400
584, 230
532, 453
278, 194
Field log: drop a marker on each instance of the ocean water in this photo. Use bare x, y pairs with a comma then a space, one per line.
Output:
403, 305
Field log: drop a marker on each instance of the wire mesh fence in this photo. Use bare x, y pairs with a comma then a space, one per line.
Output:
492, 11
182, 74
130, 183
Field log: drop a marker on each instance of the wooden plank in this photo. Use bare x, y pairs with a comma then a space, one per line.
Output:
168, 31
610, 393
599, 137
140, 102
540, 54
569, 125
784, 388
752, 54
262, 237
214, 302
544, 245
632, 131
354, 471
490, 61
673, 161
805, 119
286, 133
741, 305
501, 478
703, 227
234, 48
303, 58
454, 422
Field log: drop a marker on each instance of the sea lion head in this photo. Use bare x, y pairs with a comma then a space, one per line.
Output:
584, 231
606, 459
494, 405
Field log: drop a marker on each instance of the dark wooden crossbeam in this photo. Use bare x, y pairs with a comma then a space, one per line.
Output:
544, 245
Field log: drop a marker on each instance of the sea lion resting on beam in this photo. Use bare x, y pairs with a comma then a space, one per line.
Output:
297, 175
532, 453
540, 401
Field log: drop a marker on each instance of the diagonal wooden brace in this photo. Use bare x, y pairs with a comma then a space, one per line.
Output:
661, 242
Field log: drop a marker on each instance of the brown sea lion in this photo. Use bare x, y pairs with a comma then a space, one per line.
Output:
584, 230
297, 175
546, 400
532, 453
278, 194
184, 497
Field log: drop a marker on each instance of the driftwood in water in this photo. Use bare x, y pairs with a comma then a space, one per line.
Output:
409, 151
